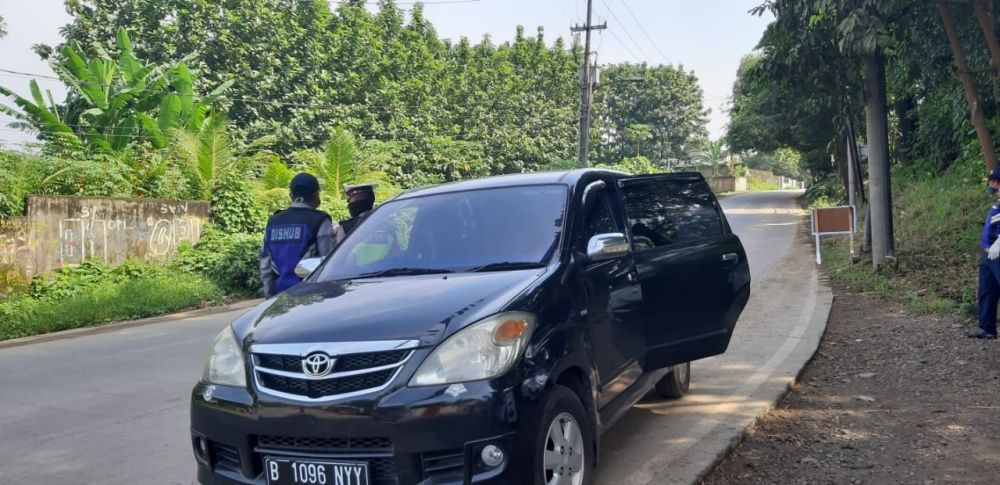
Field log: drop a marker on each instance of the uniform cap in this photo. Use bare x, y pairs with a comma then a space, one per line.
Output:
994, 175
303, 185
349, 188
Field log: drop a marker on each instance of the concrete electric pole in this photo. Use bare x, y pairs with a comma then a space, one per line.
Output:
587, 87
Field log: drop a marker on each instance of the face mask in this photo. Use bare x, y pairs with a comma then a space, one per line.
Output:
359, 207
992, 190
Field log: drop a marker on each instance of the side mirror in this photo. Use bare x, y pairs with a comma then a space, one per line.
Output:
307, 266
603, 247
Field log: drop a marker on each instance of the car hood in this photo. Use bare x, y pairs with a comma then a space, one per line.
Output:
425, 308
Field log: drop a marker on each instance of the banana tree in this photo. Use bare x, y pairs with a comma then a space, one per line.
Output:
114, 102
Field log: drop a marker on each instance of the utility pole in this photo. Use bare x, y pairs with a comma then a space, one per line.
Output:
586, 89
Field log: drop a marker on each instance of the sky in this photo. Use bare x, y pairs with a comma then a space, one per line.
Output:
707, 36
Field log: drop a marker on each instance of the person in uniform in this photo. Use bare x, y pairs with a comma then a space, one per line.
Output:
360, 201
294, 234
989, 267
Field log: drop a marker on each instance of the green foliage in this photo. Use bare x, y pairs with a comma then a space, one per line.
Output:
277, 175
113, 102
444, 110
653, 111
636, 166
234, 207
757, 185
938, 220
713, 153
124, 296
825, 192
229, 260
786, 162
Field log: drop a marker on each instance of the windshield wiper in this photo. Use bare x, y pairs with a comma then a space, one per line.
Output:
507, 266
403, 272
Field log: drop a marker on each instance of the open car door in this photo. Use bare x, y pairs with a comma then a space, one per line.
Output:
693, 270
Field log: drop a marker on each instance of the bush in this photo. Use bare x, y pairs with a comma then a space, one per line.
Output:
234, 207
66, 282
231, 261
139, 296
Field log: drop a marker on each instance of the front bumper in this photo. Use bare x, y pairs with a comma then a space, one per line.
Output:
428, 436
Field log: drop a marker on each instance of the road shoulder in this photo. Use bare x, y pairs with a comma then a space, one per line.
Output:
891, 397
779, 331
110, 327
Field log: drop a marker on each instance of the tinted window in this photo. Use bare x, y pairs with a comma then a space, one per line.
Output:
598, 219
662, 212
454, 232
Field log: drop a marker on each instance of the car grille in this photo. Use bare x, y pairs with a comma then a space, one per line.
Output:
324, 444
279, 369
443, 466
225, 456
377, 452
293, 363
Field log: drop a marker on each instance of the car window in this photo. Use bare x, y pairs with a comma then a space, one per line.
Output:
455, 231
598, 220
662, 212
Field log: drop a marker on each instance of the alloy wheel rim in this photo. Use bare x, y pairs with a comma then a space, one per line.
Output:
564, 457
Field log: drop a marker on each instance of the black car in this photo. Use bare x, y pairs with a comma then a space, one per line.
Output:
485, 331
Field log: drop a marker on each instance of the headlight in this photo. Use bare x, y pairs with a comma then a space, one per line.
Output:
225, 361
482, 350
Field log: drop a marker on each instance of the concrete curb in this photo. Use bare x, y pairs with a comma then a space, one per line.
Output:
110, 327
825, 299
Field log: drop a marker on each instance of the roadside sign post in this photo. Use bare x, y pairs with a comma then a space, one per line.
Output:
833, 221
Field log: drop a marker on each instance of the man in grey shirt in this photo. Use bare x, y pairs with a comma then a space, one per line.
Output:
294, 234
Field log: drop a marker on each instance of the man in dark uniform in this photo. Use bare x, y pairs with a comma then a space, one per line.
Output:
294, 234
360, 201
989, 267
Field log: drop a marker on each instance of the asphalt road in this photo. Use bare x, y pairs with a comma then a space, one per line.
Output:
113, 407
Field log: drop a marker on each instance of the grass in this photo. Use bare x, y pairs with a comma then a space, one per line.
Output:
937, 224
126, 299
755, 185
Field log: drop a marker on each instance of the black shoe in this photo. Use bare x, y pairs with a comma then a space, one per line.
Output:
980, 333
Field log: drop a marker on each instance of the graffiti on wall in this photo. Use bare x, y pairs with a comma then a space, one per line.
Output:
65, 231
87, 234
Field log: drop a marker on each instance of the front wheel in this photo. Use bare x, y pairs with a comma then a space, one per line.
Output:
565, 444
675, 384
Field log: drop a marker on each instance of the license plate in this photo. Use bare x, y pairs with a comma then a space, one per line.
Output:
284, 471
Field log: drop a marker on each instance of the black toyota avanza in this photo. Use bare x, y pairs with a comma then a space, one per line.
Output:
485, 331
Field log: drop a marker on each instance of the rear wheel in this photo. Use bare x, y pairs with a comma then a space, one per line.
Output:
675, 384
565, 444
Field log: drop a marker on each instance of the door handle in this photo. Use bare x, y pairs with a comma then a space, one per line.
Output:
730, 257
632, 277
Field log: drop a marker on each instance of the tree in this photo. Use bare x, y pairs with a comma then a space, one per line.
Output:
713, 153
209, 154
3, 27
113, 102
663, 102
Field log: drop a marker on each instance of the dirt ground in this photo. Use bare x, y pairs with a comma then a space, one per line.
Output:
888, 398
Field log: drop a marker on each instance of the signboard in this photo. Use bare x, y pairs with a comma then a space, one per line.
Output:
832, 221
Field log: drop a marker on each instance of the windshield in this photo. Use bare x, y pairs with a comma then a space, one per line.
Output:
476, 230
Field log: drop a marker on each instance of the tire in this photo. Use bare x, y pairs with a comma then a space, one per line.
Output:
563, 410
675, 384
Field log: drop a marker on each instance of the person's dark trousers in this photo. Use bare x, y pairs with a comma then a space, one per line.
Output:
989, 293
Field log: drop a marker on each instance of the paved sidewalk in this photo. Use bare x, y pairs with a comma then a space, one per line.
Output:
678, 442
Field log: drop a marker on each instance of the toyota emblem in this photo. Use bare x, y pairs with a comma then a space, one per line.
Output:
317, 364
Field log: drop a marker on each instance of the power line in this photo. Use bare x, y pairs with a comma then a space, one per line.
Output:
624, 45
625, 29
643, 29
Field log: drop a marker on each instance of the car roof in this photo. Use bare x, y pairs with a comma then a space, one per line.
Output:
563, 177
